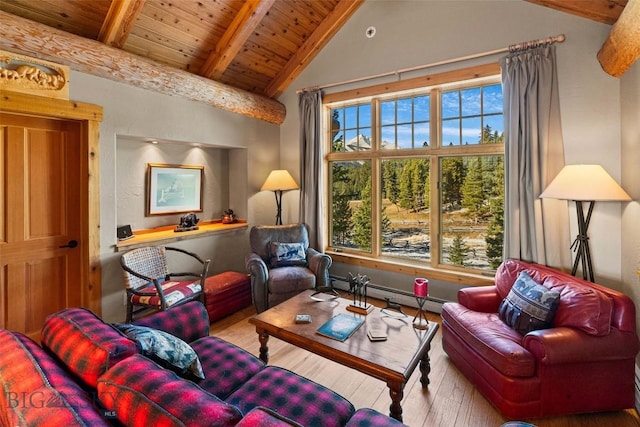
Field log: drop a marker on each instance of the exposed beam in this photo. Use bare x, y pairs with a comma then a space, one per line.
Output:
312, 46
605, 11
622, 48
26, 37
235, 37
119, 21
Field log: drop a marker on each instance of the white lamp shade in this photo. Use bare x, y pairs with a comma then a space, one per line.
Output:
586, 183
279, 180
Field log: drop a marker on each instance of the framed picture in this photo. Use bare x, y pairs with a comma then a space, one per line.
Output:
174, 189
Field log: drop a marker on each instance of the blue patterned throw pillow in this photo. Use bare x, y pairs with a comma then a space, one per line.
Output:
287, 254
165, 349
528, 306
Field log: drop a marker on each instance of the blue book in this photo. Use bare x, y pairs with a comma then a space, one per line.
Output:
341, 326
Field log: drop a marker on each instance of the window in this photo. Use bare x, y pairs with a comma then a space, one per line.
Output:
418, 176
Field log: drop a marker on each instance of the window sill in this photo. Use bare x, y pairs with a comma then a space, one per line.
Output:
413, 269
164, 235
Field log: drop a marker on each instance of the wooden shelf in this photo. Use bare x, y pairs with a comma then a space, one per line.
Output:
164, 235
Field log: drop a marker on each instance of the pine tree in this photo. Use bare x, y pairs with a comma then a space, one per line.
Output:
473, 191
453, 173
362, 221
458, 250
405, 197
495, 230
341, 211
341, 220
419, 171
495, 233
390, 181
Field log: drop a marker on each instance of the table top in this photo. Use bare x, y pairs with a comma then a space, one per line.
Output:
392, 360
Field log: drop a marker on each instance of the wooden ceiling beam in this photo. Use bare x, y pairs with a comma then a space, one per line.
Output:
312, 46
622, 48
27, 37
119, 21
241, 28
605, 11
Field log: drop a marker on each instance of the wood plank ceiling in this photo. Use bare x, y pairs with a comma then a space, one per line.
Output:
253, 45
259, 46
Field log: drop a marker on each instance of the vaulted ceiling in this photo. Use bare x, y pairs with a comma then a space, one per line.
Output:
258, 46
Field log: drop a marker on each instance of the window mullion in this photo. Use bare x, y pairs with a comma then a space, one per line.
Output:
376, 193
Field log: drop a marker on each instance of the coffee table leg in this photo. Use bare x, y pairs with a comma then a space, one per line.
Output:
425, 367
263, 336
396, 392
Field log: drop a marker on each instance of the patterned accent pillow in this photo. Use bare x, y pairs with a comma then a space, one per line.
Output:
528, 306
165, 349
287, 254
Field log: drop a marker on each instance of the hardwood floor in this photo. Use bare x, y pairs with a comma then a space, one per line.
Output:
450, 400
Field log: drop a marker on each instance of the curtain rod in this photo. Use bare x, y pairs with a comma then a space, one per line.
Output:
511, 48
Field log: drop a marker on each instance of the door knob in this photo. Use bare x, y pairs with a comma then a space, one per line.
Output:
71, 244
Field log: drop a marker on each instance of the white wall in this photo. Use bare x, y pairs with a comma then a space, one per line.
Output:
128, 111
630, 141
412, 33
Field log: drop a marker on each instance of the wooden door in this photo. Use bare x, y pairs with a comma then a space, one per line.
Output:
40, 219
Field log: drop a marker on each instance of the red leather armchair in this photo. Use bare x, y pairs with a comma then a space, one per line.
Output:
584, 363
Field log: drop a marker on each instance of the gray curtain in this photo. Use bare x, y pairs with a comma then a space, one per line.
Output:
536, 229
311, 188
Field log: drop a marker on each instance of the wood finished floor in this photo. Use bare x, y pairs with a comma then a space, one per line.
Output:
450, 400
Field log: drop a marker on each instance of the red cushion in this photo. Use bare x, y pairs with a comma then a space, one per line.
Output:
490, 337
174, 292
36, 391
84, 343
142, 393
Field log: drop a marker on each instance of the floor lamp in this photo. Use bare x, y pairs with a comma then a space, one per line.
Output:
279, 181
589, 184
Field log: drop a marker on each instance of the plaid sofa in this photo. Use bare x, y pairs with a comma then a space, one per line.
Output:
88, 373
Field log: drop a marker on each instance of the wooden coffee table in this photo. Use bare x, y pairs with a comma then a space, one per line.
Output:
392, 361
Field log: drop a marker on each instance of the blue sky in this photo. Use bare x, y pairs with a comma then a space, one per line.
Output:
465, 112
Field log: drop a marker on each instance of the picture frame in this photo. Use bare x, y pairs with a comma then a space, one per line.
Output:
173, 189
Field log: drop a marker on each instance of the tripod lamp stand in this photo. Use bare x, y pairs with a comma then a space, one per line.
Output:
279, 181
589, 184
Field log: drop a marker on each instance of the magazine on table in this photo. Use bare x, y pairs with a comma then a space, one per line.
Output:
341, 326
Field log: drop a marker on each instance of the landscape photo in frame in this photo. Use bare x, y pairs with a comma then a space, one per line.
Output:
174, 189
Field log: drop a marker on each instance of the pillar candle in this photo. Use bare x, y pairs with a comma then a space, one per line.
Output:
420, 287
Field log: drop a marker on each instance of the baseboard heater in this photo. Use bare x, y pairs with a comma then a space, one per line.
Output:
391, 295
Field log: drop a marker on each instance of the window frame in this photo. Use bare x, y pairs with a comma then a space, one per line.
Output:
433, 86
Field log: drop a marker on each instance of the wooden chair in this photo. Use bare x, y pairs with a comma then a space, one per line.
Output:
149, 284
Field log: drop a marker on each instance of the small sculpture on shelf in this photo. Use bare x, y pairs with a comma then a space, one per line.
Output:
358, 286
229, 217
188, 222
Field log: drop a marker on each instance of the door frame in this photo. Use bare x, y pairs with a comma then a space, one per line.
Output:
89, 116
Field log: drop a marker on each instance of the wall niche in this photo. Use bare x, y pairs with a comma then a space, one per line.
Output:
224, 181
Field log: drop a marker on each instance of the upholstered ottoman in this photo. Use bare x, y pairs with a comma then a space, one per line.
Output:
226, 293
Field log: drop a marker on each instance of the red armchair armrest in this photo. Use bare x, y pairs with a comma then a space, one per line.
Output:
569, 345
484, 299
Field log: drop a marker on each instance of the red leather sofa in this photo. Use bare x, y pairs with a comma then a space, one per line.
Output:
583, 363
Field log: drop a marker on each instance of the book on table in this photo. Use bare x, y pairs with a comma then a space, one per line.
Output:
341, 326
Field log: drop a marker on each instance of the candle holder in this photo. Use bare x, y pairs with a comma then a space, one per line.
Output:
420, 320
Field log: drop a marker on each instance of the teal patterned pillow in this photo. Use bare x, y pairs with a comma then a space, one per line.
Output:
165, 349
528, 306
286, 254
